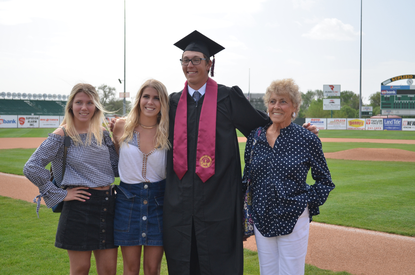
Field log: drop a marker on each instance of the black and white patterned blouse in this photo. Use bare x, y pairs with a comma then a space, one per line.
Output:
279, 189
90, 166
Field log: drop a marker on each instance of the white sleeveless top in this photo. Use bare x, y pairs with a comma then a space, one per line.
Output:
134, 166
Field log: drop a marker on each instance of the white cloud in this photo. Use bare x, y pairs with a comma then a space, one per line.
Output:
303, 4
332, 29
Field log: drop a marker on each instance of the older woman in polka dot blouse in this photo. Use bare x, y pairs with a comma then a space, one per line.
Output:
283, 203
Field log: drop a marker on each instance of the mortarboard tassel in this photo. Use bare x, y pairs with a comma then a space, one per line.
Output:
213, 67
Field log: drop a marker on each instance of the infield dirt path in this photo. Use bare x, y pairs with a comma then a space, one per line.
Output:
330, 247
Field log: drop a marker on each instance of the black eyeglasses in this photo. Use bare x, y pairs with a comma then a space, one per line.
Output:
194, 60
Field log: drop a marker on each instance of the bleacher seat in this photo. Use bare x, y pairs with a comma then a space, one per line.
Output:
29, 107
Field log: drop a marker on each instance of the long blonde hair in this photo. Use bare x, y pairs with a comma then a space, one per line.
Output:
97, 121
133, 118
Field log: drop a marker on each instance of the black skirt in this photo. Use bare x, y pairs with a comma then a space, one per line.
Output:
89, 225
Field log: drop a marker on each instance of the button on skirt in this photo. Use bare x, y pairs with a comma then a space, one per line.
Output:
139, 214
89, 225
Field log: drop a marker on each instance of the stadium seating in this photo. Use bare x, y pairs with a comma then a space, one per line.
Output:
29, 107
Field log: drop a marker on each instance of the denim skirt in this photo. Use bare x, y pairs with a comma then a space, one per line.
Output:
89, 225
139, 214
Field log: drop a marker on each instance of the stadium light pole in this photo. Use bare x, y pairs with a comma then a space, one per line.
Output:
249, 85
360, 89
125, 34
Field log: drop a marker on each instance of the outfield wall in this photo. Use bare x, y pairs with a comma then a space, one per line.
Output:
29, 121
373, 124
392, 124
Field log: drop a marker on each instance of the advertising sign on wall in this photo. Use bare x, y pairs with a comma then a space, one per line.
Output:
331, 104
408, 124
393, 124
374, 124
355, 124
28, 121
336, 124
49, 122
8, 121
331, 90
320, 123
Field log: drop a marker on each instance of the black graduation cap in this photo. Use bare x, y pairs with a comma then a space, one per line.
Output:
197, 42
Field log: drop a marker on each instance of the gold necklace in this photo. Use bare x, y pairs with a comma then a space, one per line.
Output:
148, 127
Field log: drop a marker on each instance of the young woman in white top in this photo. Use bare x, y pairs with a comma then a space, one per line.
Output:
142, 142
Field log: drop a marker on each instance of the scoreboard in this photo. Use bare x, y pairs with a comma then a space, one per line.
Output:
397, 100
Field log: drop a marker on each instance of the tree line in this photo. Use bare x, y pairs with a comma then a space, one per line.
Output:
312, 105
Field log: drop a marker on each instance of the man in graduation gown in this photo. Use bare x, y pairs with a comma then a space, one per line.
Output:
203, 198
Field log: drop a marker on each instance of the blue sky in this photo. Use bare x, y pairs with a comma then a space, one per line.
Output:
47, 46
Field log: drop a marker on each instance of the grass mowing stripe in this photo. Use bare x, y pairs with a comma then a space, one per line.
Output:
43, 132
25, 132
329, 147
13, 160
367, 134
371, 195
362, 134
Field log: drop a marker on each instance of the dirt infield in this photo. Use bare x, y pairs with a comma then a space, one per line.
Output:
330, 247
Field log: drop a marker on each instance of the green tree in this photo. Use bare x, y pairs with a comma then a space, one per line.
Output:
307, 98
319, 94
316, 109
106, 94
376, 110
347, 112
350, 99
109, 100
374, 100
116, 106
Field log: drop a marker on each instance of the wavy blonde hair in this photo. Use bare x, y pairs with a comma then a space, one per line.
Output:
285, 86
133, 118
97, 121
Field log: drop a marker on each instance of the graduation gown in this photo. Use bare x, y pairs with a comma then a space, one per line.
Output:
214, 208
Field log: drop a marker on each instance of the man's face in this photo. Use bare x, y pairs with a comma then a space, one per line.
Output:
196, 75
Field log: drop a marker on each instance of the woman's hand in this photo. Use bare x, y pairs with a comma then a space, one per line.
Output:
77, 193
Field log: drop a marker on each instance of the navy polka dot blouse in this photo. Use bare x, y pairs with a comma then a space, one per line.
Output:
279, 189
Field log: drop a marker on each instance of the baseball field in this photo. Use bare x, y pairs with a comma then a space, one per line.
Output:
367, 225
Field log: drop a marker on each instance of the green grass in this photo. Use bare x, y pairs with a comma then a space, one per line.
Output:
27, 244
25, 132
13, 160
367, 134
329, 147
371, 195
360, 134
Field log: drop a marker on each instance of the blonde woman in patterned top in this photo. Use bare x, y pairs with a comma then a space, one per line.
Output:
142, 142
282, 202
86, 222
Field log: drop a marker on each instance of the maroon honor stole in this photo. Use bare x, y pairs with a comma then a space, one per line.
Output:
206, 140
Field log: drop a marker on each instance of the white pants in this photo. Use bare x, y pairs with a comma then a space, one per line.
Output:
284, 254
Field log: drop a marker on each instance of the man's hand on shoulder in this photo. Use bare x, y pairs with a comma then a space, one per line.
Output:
111, 123
311, 128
